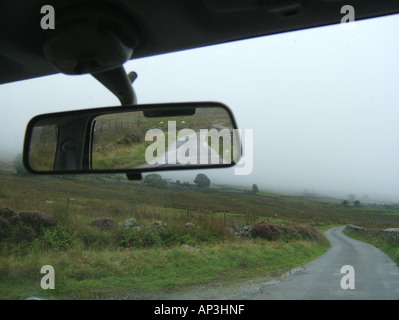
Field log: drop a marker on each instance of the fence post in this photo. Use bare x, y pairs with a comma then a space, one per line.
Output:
67, 207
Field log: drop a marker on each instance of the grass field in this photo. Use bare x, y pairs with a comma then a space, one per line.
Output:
94, 263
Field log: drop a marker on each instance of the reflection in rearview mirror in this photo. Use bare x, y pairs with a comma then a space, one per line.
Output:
139, 138
135, 141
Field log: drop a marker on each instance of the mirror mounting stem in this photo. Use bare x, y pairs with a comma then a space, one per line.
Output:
119, 83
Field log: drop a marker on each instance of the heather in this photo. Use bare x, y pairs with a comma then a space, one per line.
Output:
106, 232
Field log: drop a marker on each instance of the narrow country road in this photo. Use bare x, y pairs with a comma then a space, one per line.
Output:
376, 277
196, 151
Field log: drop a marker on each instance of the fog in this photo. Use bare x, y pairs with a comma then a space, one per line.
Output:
322, 104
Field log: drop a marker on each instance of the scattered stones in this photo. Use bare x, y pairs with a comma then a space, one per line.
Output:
187, 247
159, 224
131, 223
243, 231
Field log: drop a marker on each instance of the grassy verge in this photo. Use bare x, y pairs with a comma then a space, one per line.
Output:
87, 274
389, 247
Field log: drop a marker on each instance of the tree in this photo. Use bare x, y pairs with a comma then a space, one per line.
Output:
356, 203
202, 180
155, 180
255, 188
345, 203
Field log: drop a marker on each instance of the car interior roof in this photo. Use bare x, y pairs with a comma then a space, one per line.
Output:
171, 25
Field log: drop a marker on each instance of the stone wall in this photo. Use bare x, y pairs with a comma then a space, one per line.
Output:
389, 234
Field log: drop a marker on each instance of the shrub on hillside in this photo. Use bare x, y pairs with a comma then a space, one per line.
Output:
143, 238
60, 237
104, 223
307, 232
25, 225
35, 220
4, 228
268, 231
171, 235
206, 235
276, 231
23, 232
149, 238
289, 233
7, 213
262, 230
126, 237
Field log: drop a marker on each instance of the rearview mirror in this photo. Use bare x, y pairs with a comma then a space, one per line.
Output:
133, 139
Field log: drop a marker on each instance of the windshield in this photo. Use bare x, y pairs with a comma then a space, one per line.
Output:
318, 112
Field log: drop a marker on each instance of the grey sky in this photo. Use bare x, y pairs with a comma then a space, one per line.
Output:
323, 104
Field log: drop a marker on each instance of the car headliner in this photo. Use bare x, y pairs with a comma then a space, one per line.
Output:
172, 25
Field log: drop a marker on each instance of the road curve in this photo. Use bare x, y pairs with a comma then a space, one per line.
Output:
376, 277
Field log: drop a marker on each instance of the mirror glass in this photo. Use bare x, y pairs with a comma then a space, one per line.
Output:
43, 147
137, 138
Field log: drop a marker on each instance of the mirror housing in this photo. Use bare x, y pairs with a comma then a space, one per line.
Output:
133, 139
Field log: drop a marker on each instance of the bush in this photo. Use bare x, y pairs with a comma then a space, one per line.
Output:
173, 235
7, 213
143, 238
276, 231
4, 228
24, 226
94, 237
127, 238
35, 220
18, 232
206, 235
289, 233
104, 223
307, 232
170, 236
60, 237
268, 231
261, 229
149, 238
